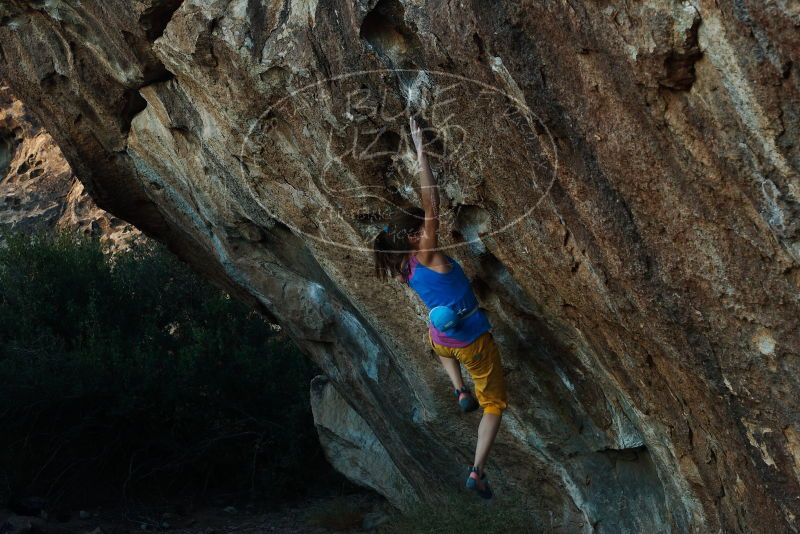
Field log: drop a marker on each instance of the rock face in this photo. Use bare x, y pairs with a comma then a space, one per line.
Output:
352, 447
619, 178
38, 188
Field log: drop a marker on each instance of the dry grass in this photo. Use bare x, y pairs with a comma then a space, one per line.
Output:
466, 514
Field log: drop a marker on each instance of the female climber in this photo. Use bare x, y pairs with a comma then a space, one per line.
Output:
459, 331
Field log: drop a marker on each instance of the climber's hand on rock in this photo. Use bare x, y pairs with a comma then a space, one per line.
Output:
416, 134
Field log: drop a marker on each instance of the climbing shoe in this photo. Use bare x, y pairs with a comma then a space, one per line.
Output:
479, 486
466, 401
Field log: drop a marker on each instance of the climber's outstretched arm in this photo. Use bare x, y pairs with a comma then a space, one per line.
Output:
429, 191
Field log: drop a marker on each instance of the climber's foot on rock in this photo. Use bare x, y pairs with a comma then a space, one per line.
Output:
476, 481
466, 401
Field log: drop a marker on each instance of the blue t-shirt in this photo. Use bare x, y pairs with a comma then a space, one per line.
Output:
449, 289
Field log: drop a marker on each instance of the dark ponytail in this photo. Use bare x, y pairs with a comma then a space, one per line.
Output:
392, 245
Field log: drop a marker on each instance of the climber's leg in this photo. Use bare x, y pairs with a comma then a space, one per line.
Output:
452, 365
482, 360
487, 431
449, 361
453, 369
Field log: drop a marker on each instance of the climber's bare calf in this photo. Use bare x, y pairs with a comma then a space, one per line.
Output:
453, 369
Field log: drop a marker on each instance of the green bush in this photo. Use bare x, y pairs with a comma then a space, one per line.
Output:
131, 376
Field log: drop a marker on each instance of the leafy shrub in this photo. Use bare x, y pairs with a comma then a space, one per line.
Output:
131, 376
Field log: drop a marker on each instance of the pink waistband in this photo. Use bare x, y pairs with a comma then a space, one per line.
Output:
445, 341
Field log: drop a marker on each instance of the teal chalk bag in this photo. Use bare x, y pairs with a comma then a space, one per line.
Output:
444, 318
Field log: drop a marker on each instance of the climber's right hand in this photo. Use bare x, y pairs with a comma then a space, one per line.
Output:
416, 134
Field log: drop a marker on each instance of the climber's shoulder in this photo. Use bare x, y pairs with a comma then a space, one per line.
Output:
435, 260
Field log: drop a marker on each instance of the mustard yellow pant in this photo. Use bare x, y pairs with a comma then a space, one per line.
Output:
482, 360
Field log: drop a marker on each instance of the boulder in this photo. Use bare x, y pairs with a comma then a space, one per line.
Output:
620, 180
352, 447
